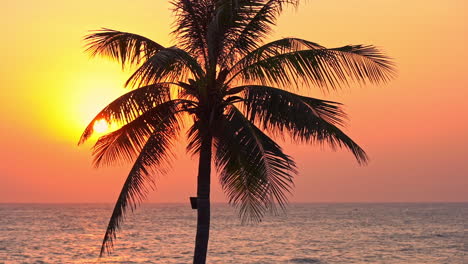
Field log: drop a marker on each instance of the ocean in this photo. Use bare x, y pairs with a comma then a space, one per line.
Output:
307, 233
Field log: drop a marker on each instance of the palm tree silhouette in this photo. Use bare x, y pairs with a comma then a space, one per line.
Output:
236, 91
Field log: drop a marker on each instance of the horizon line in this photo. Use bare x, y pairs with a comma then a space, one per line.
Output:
226, 203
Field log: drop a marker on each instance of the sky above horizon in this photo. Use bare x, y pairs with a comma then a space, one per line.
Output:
414, 128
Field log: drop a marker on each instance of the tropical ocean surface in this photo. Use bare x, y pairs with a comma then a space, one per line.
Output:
309, 233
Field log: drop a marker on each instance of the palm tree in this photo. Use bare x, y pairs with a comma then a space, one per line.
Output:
235, 91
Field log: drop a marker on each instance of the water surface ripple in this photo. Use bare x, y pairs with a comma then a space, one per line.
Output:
309, 233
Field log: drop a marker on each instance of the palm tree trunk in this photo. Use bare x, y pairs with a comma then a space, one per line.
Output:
203, 201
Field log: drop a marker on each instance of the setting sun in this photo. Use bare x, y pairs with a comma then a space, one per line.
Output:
100, 126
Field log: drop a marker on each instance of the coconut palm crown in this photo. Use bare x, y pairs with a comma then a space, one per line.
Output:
234, 90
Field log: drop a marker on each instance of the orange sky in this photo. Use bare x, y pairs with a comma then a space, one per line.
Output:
414, 128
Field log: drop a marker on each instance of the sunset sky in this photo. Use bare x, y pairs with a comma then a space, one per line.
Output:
414, 129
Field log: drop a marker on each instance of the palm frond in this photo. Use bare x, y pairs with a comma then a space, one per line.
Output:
138, 183
194, 138
190, 28
229, 17
129, 106
294, 62
188, 90
126, 48
274, 48
256, 19
306, 119
269, 50
168, 65
125, 143
225, 18
255, 173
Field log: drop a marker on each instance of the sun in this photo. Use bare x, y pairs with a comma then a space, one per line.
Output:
100, 126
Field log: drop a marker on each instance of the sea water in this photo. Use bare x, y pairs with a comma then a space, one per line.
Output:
307, 233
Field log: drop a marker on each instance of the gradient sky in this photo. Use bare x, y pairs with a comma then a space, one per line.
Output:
414, 128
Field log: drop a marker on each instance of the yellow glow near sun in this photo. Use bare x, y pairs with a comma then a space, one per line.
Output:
86, 95
101, 126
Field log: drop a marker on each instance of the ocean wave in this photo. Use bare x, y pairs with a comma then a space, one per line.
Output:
305, 260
